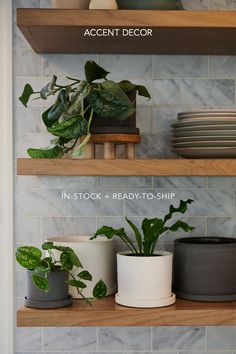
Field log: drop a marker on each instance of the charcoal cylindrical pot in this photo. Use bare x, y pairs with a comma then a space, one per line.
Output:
57, 296
205, 268
150, 4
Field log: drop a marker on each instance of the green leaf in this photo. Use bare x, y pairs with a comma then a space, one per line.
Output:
47, 90
94, 72
47, 246
45, 118
77, 283
62, 248
43, 267
48, 153
40, 282
182, 208
109, 232
138, 235
85, 275
76, 105
28, 257
127, 86
180, 225
28, 91
66, 261
53, 114
75, 260
111, 102
152, 229
100, 290
70, 128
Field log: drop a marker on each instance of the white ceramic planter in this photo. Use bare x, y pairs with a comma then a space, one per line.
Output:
97, 256
103, 4
145, 281
70, 4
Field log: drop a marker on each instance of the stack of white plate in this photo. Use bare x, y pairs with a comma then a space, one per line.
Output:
205, 134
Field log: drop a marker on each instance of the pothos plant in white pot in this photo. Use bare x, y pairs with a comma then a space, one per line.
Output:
144, 273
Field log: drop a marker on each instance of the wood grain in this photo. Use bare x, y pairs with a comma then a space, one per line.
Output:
89, 167
106, 313
174, 32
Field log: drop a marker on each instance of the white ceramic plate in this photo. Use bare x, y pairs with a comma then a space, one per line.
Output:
204, 133
214, 115
205, 144
215, 153
208, 111
203, 138
193, 122
206, 128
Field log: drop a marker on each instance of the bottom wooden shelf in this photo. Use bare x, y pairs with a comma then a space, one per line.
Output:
106, 313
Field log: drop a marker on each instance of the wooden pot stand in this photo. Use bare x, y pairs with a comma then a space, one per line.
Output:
109, 142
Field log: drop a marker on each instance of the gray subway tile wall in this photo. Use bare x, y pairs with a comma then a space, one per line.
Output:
176, 83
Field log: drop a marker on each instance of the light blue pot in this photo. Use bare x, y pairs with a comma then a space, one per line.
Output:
150, 4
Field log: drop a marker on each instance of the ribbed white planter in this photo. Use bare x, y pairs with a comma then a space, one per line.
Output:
70, 4
145, 281
103, 4
97, 256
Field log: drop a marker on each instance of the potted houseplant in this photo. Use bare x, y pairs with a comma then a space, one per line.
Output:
150, 4
144, 274
97, 256
48, 279
80, 105
70, 4
205, 268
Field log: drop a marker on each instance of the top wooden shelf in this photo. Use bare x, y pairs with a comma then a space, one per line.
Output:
173, 32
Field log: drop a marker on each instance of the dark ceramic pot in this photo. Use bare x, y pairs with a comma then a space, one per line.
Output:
205, 268
101, 125
57, 296
150, 4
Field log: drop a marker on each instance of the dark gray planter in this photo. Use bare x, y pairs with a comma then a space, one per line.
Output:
150, 4
205, 268
57, 296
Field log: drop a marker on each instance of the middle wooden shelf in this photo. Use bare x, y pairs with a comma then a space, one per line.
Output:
136, 167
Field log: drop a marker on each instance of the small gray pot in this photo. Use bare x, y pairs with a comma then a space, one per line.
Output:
205, 268
57, 296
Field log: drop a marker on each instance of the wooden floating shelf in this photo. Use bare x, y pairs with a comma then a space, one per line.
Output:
106, 313
89, 167
173, 32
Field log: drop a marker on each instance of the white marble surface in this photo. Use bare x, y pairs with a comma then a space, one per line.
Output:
124, 338
219, 338
178, 338
180, 66
72, 339
207, 92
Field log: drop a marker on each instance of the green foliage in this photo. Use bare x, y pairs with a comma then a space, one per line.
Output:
94, 72
99, 290
27, 93
152, 229
48, 153
32, 259
67, 119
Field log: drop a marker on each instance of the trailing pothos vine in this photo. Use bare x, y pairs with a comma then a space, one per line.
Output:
69, 118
